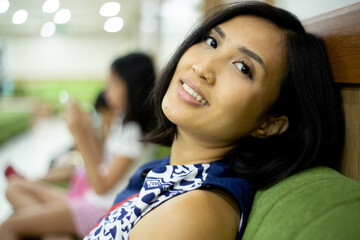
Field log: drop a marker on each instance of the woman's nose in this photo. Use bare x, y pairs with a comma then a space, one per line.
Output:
204, 73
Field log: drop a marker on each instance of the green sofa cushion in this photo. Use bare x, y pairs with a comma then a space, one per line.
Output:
12, 124
318, 203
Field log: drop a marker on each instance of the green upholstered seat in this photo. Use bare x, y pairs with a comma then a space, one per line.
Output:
318, 203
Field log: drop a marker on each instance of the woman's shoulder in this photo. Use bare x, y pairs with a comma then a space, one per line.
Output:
199, 214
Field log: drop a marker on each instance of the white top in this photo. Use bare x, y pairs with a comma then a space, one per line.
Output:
123, 140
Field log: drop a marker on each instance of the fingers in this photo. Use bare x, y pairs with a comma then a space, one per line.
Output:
78, 122
72, 113
73, 117
73, 109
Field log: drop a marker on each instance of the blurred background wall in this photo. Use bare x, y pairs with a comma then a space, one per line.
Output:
81, 49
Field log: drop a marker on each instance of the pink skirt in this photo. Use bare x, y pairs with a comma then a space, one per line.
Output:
78, 184
85, 214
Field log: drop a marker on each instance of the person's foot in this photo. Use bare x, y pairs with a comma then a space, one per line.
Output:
11, 173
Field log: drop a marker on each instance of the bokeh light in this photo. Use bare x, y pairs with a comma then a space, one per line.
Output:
109, 9
48, 29
20, 17
62, 16
50, 6
63, 96
4, 6
114, 24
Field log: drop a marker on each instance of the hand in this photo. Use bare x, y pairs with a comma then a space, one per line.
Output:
77, 121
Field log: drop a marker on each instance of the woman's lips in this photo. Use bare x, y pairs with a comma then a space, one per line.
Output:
192, 93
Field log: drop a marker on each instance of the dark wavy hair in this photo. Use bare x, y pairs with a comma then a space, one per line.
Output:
308, 97
137, 70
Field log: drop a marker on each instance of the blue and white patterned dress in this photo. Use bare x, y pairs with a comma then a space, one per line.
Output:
162, 182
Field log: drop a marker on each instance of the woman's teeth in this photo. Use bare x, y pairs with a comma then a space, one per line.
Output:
195, 94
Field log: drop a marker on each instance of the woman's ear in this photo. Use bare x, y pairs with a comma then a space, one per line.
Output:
271, 127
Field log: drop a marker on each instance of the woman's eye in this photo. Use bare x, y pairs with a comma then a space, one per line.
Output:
244, 68
211, 42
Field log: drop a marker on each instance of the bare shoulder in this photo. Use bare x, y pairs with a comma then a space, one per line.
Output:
198, 214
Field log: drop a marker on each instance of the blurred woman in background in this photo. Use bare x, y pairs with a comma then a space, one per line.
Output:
42, 209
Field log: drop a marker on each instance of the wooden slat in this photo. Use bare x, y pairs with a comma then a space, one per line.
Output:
351, 157
341, 31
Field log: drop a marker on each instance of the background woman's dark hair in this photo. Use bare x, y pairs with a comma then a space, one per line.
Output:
308, 98
137, 70
100, 102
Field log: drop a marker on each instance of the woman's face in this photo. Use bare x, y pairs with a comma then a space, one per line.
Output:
116, 92
223, 86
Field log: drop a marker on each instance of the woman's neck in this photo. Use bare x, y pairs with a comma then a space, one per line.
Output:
188, 150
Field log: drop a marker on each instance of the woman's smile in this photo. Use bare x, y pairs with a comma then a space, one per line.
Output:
191, 94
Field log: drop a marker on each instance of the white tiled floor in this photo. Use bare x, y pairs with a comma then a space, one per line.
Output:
31, 152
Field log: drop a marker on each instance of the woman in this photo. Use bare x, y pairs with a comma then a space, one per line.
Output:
246, 101
40, 208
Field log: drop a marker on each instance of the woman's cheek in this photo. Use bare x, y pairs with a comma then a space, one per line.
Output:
164, 105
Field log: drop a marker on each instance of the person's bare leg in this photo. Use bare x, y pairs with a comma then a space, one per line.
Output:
23, 193
39, 220
58, 174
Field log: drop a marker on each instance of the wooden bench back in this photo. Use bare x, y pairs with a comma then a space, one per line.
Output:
341, 31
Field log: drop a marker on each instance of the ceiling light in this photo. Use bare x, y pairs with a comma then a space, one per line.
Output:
4, 6
48, 29
109, 9
114, 24
62, 16
51, 6
20, 17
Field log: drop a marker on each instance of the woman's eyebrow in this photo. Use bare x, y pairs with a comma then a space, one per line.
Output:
220, 32
252, 55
